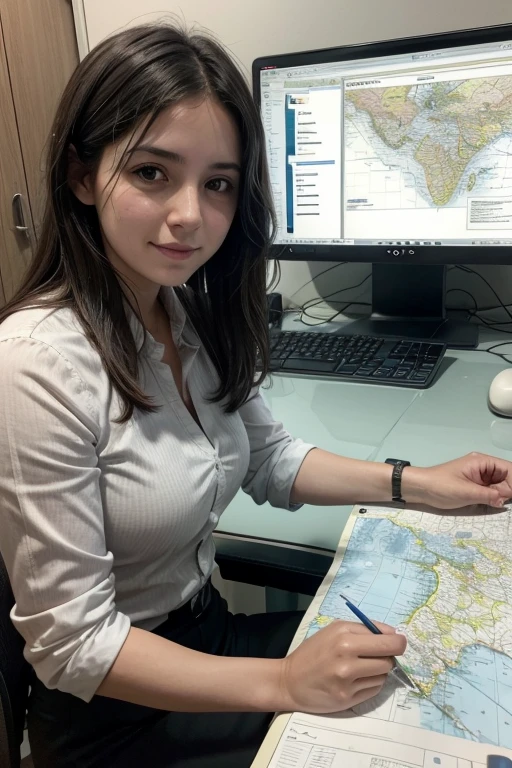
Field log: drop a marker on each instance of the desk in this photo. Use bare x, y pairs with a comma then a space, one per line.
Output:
366, 421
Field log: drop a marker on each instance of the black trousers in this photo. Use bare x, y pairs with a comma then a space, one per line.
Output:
66, 732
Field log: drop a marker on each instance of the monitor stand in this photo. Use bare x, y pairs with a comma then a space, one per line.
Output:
408, 301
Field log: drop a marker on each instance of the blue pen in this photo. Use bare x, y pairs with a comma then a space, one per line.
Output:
397, 670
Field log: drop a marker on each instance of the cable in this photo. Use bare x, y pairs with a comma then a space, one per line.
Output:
491, 351
315, 302
323, 321
475, 312
495, 346
462, 268
325, 318
324, 272
495, 306
468, 270
463, 290
311, 302
494, 325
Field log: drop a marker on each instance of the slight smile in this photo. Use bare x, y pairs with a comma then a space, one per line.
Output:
175, 250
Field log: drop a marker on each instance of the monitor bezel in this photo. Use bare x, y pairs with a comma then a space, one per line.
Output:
461, 254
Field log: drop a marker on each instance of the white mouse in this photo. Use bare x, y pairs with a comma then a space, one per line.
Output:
500, 393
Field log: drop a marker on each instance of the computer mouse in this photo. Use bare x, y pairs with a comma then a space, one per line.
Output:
500, 393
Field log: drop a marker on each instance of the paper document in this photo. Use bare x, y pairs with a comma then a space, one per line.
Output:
446, 582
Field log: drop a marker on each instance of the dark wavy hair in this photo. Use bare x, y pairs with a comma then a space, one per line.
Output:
123, 83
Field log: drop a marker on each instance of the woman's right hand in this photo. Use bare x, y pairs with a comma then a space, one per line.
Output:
338, 667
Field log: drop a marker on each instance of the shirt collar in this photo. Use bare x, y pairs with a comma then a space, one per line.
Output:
178, 320
175, 310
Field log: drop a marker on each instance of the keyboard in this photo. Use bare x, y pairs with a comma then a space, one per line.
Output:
369, 359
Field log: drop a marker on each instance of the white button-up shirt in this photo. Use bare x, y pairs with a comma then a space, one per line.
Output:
106, 525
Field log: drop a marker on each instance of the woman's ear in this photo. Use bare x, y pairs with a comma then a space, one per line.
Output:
80, 178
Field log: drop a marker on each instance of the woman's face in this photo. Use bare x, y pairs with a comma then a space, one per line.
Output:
174, 201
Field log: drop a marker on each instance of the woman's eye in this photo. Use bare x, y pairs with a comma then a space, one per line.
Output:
220, 185
149, 173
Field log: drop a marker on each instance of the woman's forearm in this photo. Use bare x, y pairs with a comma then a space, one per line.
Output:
325, 478
155, 672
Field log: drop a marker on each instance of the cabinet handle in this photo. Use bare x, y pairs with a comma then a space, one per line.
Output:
18, 215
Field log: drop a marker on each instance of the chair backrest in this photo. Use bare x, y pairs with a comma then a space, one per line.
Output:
14, 679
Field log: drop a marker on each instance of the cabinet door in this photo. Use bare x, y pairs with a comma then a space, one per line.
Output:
15, 245
42, 53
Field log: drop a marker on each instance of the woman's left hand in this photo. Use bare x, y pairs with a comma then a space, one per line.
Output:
472, 479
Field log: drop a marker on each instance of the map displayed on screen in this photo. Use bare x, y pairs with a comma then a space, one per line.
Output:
450, 138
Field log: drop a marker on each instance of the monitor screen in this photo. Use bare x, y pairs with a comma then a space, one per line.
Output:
401, 148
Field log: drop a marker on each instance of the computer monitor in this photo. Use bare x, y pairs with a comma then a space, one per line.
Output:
397, 153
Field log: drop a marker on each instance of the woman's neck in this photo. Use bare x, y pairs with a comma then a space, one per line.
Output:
147, 304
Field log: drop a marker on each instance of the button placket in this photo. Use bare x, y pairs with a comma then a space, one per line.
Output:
221, 486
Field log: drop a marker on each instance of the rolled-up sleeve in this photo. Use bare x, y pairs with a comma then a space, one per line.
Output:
275, 456
52, 534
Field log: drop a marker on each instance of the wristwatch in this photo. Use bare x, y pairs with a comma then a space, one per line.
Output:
396, 478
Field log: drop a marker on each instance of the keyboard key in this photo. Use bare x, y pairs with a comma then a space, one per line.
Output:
382, 373
391, 363
301, 364
356, 360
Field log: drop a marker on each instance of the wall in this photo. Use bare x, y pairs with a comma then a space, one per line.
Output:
261, 27
252, 29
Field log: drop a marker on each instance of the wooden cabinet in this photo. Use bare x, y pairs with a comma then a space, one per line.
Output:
38, 53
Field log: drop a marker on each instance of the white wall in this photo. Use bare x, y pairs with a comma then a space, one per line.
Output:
252, 28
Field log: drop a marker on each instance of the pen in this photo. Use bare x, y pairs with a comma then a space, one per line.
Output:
397, 671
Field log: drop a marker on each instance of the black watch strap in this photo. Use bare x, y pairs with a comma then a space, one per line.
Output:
396, 478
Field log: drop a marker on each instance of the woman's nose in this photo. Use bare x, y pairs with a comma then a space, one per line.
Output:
185, 208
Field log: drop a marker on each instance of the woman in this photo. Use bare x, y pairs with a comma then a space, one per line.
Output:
129, 420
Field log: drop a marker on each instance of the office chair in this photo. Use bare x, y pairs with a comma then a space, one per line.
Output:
267, 563
14, 681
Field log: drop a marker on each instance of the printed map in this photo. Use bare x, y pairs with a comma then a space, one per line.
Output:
446, 581
449, 139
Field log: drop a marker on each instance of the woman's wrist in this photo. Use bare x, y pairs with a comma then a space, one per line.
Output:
415, 485
270, 693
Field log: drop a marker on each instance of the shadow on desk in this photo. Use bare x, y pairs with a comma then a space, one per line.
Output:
446, 364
